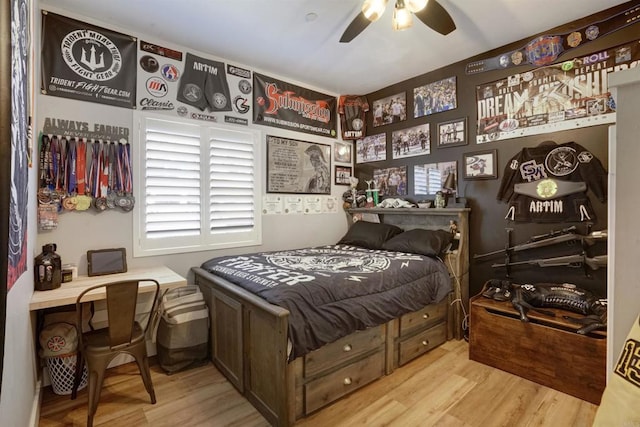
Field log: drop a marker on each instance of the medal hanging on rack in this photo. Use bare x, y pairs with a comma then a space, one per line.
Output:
47, 210
113, 178
69, 200
83, 201
103, 178
54, 185
44, 195
96, 174
126, 202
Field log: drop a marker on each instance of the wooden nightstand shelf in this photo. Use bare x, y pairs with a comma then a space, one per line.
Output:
547, 350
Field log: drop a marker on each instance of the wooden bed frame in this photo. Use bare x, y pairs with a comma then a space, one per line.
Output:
249, 335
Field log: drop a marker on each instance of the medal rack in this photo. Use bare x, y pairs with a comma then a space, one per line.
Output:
81, 174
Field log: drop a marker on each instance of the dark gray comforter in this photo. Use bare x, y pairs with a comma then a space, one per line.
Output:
332, 291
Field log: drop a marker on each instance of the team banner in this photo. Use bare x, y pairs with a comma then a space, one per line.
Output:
176, 83
287, 106
567, 95
88, 63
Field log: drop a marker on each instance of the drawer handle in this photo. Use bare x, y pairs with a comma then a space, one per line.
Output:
347, 381
425, 316
425, 343
347, 347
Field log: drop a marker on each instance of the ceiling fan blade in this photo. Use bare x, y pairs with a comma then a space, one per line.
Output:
358, 25
437, 18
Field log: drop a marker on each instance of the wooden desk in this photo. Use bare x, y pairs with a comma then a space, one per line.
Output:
68, 292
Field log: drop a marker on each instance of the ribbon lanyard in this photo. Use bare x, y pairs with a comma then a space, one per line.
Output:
95, 169
113, 178
53, 161
81, 166
71, 167
61, 177
45, 161
124, 168
103, 180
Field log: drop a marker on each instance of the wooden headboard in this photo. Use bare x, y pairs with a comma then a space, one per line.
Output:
457, 259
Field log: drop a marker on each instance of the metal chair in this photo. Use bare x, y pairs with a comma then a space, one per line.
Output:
122, 335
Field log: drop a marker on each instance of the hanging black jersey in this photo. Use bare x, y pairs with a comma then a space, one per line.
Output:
204, 84
352, 109
549, 183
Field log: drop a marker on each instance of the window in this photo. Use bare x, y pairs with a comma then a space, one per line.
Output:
197, 186
428, 180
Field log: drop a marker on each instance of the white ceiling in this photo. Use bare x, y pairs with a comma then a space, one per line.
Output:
274, 37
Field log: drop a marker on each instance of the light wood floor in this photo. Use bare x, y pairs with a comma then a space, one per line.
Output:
441, 388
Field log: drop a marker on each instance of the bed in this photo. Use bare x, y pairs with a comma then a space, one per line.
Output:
288, 369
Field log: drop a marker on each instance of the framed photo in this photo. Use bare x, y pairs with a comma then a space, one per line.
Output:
414, 141
298, 167
371, 148
452, 133
343, 175
481, 165
342, 152
392, 109
435, 97
391, 181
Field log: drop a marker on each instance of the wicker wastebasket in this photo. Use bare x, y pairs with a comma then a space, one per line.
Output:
59, 343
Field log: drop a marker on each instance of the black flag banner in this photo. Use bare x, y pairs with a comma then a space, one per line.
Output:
567, 95
88, 63
286, 106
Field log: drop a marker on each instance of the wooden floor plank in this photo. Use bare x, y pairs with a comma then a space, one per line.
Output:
442, 388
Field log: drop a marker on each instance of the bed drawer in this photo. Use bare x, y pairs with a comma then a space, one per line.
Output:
324, 390
412, 347
422, 319
343, 350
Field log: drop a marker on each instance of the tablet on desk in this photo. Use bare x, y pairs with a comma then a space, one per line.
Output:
106, 261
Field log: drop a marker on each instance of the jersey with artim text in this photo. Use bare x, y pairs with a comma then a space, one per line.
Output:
352, 109
549, 183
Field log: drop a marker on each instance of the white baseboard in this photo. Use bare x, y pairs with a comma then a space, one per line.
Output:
35, 408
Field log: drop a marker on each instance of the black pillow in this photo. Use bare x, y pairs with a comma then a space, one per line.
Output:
370, 235
420, 241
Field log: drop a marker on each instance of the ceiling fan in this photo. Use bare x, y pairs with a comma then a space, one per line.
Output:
430, 12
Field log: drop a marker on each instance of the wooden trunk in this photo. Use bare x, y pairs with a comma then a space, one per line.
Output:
547, 350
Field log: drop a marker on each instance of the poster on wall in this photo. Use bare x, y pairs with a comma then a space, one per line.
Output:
286, 106
85, 62
567, 95
186, 85
19, 188
295, 166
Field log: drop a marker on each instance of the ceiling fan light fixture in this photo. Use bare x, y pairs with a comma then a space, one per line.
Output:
373, 9
402, 18
416, 6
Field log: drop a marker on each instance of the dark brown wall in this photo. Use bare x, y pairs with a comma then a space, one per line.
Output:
487, 223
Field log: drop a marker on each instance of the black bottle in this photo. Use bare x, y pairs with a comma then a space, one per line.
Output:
48, 269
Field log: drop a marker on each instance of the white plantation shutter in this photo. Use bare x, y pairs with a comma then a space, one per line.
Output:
172, 180
197, 188
427, 180
232, 180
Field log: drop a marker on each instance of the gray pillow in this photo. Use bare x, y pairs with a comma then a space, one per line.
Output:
370, 235
419, 241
